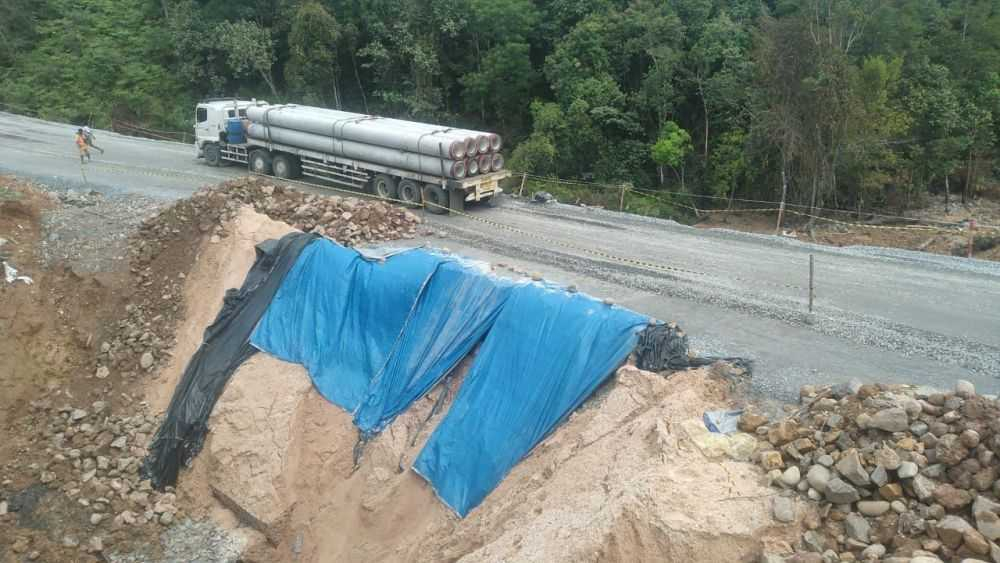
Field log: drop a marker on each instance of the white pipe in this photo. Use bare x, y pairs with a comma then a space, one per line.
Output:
395, 158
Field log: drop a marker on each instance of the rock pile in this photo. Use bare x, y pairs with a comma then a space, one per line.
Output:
889, 472
348, 220
93, 459
161, 251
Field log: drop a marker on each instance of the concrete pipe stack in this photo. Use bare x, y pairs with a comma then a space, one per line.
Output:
429, 149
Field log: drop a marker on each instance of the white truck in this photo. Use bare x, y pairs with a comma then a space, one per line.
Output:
413, 162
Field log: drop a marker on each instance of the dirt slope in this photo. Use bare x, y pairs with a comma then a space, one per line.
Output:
622, 480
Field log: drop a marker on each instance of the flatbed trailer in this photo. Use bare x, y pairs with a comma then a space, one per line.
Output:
437, 193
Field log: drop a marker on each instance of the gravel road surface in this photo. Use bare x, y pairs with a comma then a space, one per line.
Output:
879, 314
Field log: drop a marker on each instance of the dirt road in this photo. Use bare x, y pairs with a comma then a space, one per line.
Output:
880, 314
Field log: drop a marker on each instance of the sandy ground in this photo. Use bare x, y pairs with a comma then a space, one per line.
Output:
625, 479
218, 267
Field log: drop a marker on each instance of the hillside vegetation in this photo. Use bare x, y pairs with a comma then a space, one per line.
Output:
855, 103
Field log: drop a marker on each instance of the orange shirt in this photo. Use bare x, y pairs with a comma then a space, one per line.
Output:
80, 141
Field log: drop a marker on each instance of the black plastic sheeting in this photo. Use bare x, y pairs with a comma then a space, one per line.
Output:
664, 347
225, 346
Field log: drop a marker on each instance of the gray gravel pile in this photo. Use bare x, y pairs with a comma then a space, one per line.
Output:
886, 473
187, 541
93, 462
90, 230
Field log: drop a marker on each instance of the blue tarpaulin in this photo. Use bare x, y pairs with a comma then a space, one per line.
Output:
376, 334
453, 312
339, 315
547, 352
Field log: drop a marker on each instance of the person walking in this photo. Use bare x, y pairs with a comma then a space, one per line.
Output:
82, 146
88, 136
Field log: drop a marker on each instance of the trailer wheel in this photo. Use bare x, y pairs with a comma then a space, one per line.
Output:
409, 191
384, 186
260, 162
213, 154
435, 199
285, 166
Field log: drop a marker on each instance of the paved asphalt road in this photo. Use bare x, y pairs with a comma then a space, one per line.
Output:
880, 314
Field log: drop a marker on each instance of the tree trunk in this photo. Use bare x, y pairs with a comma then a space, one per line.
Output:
784, 193
812, 204
967, 189
336, 93
659, 169
357, 78
270, 81
704, 106
947, 193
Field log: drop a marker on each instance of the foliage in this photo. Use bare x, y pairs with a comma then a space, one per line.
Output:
853, 102
672, 147
313, 68
249, 49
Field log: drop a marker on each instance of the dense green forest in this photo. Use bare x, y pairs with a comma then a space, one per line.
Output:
852, 103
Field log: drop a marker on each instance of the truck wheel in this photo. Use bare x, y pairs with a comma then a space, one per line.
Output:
384, 186
435, 199
213, 154
260, 162
285, 166
409, 191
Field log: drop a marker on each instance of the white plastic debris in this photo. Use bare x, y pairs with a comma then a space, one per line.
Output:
10, 274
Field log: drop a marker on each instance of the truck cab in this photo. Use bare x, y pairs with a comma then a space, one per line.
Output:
210, 119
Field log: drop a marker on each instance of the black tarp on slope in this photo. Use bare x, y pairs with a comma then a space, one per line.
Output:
664, 347
225, 346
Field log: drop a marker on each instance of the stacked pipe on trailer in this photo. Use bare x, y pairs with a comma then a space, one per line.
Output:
430, 149
394, 158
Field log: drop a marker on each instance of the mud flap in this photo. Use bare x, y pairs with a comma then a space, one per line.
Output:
456, 200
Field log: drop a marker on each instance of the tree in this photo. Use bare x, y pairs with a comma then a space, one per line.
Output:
313, 63
718, 70
728, 164
933, 104
17, 28
536, 155
504, 80
249, 49
97, 64
671, 149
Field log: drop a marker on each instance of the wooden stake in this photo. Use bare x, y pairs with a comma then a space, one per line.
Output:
972, 237
781, 208
524, 178
810, 284
621, 201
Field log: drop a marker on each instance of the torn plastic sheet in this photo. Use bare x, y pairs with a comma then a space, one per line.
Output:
10, 274
722, 422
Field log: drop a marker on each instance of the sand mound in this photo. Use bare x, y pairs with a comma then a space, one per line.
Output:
218, 266
622, 480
